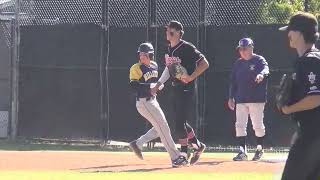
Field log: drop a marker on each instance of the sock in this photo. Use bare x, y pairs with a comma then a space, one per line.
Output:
260, 143
259, 147
195, 143
242, 144
184, 149
139, 144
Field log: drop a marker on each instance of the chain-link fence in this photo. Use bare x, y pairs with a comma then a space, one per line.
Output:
51, 12
135, 13
131, 13
186, 11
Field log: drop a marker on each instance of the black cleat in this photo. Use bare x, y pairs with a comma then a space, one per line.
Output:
241, 157
179, 162
257, 156
197, 153
133, 146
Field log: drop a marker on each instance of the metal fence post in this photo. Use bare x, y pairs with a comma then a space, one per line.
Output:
106, 33
306, 5
15, 72
104, 116
200, 81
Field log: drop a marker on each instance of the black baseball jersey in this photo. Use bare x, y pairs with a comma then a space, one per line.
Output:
306, 82
186, 54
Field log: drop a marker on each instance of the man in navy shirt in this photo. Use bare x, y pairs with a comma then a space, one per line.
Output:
303, 162
248, 94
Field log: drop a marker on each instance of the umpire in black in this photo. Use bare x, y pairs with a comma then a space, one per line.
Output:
303, 162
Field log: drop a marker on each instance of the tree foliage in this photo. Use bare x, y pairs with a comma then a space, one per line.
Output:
280, 11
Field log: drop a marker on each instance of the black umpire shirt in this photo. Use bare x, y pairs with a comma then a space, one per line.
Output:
306, 82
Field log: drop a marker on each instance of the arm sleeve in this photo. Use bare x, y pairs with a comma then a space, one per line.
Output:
233, 85
309, 76
164, 76
265, 70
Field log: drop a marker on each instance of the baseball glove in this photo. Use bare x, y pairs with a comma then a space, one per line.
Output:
283, 93
176, 70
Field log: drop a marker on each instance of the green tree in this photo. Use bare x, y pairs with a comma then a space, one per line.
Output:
279, 11
314, 8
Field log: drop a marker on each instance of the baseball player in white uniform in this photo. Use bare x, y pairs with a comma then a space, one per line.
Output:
143, 77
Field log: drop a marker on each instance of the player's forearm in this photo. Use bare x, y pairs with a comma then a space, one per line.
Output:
202, 66
265, 71
164, 76
307, 103
231, 91
232, 86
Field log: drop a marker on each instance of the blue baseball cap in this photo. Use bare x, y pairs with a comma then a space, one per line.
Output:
245, 42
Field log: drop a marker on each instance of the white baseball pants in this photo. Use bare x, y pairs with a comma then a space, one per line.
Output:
152, 111
256, 113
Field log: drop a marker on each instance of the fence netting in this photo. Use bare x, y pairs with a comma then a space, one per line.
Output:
135, 13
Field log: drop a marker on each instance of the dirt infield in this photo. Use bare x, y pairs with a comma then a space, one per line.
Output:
124, 162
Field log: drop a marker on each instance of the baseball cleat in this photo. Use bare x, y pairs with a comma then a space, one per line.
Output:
241, 157
180, 161
197, 153
257, 156
134, 147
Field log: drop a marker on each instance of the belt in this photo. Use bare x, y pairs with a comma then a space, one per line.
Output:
145, 98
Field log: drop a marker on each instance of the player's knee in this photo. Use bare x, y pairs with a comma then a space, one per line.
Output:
241, 125
260, 132
241, 132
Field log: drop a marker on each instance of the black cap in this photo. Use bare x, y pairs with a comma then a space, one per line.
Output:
175, 25
303, 22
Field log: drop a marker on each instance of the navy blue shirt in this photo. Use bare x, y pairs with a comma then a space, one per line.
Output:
243, 87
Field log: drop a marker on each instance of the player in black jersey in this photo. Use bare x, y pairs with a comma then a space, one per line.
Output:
303, 162
186, 54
